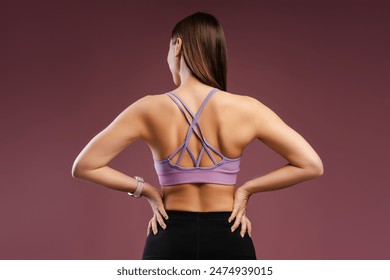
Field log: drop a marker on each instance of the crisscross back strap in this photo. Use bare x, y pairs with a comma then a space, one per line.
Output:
194, 127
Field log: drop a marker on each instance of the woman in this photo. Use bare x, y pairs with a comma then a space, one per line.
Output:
197, 134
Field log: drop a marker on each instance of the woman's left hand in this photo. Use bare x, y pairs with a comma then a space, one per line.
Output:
241, 198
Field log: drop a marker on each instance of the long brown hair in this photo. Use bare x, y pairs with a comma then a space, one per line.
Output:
204, 48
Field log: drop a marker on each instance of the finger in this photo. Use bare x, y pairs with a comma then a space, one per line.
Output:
233, 215
148, 229
249, 224
162, 224
237, 221
163, 212
154, 225
160, 221
243, 226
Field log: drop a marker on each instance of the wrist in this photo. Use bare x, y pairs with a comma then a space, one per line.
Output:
140, 185
246, 189
148, 190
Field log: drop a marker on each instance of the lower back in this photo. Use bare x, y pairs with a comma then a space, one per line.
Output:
199, 197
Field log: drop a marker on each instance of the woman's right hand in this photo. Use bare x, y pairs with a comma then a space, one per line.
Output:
155, 200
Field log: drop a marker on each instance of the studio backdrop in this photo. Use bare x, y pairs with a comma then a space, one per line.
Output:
68, 68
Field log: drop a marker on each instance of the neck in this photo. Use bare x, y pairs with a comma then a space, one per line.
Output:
187, 79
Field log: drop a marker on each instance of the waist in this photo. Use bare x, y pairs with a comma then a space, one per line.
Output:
198, 198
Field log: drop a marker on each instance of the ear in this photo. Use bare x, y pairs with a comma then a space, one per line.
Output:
178, 47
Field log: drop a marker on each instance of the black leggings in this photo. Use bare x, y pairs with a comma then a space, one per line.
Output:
198, 236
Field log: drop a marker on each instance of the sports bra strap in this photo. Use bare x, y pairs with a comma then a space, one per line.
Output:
174, 98
195, 118
193, 125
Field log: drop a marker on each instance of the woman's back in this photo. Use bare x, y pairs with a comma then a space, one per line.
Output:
224, 122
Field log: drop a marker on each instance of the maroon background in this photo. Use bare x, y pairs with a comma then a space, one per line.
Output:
69, 68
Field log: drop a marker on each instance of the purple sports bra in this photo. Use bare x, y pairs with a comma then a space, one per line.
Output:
223, 172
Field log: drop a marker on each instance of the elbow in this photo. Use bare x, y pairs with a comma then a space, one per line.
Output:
319, 171
81, 170
316, 169
76, 171
312, 168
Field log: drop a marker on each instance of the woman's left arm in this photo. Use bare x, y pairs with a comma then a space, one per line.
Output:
92, 163
303, 162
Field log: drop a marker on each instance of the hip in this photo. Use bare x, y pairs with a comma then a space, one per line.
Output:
198, 235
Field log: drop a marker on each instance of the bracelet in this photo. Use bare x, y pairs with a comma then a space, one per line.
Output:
140, 186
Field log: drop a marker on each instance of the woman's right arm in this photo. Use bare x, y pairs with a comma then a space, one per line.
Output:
303, 162
92, 164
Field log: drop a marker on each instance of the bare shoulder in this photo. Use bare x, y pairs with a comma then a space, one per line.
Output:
148, 101
253, 117
247, 105
145, 106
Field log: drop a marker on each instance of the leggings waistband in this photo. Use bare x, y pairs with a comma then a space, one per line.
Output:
196, 216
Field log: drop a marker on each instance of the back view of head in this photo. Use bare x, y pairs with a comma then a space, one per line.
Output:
204, 48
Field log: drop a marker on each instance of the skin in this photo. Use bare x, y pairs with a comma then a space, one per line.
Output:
233, 118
